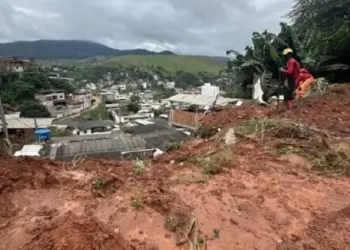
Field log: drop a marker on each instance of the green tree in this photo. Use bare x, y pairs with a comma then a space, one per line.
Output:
22, 91
319, 37
36, 78
186, 80
133, 107
33, 109
99, 113
134, 98
62, 84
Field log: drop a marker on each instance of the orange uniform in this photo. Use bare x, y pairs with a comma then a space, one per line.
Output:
304, 82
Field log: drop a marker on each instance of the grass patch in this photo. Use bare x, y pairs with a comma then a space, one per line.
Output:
333, 163
204, 132
136, 201
100, 186
173, 145
99, 113
214, 162
257, 128
139, 166
300, 139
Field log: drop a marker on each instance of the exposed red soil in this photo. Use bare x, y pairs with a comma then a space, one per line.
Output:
330, 112
260, 199
233, 116
78, 233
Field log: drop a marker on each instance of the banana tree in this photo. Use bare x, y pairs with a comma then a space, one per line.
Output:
259, 60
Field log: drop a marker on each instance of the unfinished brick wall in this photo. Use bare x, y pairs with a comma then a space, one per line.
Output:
186, 118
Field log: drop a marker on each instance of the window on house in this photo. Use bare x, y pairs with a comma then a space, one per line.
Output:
61, 96
54, 97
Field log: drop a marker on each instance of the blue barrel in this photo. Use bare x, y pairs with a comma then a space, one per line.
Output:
43, 134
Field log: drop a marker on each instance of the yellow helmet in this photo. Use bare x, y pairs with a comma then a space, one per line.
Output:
287, 51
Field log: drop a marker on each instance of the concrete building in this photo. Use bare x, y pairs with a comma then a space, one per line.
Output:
57, 76
107, 96
169, 85
125, 117
209, 90
14, 64
84, 97
122, 87
188, 119
86, 127
47, 97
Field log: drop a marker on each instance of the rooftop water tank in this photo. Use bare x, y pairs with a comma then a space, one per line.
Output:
43, 134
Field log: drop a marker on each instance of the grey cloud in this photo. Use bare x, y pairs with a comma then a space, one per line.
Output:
186, 26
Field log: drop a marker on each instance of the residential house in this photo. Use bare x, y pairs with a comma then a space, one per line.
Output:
14, 64
24, 127
140, 141
84, 97
87, 127
169, 85
157, 133
57, 76
122, 87
190, 119
47, 97
107, 96
119, 146
122, 116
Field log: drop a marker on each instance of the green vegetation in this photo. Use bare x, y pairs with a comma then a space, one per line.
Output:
168, 63
134, 98
318, 36
33, 109
136, 200
99, 113
18, 90
133, 107
139, 166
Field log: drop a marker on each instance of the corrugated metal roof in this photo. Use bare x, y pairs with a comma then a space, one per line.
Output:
22, 123
68, 150
163, 138
82, 125
109, 135
201, 100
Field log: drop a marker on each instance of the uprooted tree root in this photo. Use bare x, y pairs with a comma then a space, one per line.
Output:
301, 139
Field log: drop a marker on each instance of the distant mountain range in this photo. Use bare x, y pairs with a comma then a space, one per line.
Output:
71, 49
66, 49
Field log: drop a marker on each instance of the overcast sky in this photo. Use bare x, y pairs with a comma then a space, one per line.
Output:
208, 27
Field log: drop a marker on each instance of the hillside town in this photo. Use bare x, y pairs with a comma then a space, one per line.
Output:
120, 121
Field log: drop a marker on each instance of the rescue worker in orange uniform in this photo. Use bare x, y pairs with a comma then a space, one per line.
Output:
305, 81
292, 74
